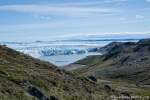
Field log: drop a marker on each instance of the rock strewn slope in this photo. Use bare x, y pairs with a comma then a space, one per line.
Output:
130, 61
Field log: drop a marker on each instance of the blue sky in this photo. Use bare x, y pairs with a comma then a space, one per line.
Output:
31, 20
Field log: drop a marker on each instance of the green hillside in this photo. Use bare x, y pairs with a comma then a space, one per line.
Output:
25, 78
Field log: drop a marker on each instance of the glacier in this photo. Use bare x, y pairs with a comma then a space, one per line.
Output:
59, 47
51, 48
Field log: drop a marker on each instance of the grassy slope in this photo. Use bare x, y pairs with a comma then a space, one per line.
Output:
93, 63
16, 67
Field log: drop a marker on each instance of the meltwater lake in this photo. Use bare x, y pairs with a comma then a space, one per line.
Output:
61, 60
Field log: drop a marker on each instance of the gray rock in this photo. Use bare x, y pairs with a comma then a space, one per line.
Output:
53, 98
126, 94
139, 84
25, 82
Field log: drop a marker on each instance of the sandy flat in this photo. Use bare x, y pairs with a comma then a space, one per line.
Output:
73, 66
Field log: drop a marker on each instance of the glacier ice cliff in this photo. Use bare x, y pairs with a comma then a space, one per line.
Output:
50, 48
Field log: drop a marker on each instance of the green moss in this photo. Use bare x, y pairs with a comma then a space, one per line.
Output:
146, 93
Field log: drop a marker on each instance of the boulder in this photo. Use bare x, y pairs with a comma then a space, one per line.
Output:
92, 78
60, 71
108, 88
37, 93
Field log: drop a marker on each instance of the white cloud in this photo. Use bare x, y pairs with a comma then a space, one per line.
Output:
148, 0
38, 16
122, 18
139, 16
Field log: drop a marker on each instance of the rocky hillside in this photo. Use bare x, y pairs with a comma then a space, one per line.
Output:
128, 61
108, 47
25, 78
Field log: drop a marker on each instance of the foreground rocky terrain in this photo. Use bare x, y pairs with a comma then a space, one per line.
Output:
25, 78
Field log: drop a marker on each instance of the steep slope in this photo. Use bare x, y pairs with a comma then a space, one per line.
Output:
25, 78
129, 61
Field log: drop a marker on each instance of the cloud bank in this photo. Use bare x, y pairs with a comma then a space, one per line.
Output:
97, 36
62, 9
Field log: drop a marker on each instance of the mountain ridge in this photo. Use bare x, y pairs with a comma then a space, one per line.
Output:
119, 58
